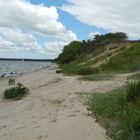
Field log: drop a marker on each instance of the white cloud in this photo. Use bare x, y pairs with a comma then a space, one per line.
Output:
37, 18
7, 45
24, 41
55, 47
19, 16
113, 15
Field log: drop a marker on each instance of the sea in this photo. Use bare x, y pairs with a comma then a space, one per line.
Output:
10, 68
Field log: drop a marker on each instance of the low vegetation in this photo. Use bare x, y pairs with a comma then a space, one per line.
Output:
135, 76
74, 68
118, 111
109, 53
126, 61
97, 77
16, 92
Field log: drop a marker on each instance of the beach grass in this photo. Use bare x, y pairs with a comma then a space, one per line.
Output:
135, 76
118, 111
16, 92
126, 61
97, 77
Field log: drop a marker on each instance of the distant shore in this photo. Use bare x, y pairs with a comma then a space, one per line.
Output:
26, 59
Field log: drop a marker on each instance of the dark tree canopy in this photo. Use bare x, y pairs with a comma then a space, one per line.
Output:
70, 52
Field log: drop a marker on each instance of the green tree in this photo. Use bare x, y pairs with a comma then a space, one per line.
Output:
70, 52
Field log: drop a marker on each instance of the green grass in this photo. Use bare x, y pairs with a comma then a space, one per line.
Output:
135, 76
119, 113
16, 92
126, 61
97, 77
74, 68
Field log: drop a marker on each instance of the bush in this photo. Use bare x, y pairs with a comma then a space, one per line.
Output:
16, 92
70, 52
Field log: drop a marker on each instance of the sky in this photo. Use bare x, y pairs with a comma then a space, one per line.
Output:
41, 28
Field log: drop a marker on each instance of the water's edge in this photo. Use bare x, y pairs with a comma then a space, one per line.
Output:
19, 69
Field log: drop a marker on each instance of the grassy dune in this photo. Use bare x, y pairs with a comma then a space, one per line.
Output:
126, 61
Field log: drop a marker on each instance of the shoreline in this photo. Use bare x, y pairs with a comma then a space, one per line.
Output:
53, 109
14, 74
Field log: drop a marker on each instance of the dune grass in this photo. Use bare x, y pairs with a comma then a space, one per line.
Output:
135, 76
74, 68
97, 77
126, 61
119, 111
16, 92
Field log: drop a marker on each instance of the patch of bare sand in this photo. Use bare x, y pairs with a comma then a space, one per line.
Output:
52, 111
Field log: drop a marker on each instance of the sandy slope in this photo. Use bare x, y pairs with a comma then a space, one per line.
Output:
52, 111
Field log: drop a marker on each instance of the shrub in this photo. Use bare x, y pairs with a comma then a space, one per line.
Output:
16, 92
70, 52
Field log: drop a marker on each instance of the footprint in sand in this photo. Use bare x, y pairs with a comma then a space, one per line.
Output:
72, 115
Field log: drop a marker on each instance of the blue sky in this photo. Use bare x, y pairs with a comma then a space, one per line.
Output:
41, 28
82, 30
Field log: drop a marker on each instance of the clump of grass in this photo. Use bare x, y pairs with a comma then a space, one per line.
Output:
97, 77
57, 102
87, 70
133, 92
119, 111
74, 68
16, 92
135, 76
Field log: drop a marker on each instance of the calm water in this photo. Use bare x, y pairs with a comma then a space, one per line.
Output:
16, 67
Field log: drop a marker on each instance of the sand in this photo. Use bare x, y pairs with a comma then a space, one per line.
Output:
53, 110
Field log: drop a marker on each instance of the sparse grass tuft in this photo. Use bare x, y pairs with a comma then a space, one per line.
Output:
75, 68
87, 70
57, 101
97, 77
135, 76
16, 92
133, 92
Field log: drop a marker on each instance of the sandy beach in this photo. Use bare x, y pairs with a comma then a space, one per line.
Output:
53, 110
